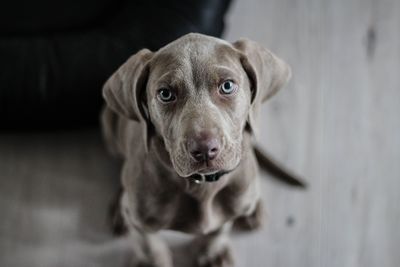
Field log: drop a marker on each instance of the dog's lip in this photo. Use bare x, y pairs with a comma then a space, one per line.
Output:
208, 171
204, 171
201, 172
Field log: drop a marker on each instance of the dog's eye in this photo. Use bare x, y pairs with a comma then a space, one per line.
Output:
227, 87
166, 95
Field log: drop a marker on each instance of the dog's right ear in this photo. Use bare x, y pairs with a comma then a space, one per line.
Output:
124, 90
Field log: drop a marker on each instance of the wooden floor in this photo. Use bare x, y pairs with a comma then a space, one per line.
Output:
337, 124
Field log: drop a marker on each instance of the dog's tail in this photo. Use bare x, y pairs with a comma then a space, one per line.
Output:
279, 172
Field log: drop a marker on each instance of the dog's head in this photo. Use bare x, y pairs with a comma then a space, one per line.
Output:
199, 94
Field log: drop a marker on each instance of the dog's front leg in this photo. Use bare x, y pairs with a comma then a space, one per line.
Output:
148, 250
253, 221
213, 249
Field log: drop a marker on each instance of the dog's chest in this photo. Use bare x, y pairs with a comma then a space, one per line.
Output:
192, 213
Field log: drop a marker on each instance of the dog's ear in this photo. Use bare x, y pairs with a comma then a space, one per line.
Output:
267, 74
125, 90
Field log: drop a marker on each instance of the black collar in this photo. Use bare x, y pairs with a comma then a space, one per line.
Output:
201, 178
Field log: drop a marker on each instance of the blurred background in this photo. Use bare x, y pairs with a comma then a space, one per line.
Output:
337, 124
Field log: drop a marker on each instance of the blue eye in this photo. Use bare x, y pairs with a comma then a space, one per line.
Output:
166, 95
227, 87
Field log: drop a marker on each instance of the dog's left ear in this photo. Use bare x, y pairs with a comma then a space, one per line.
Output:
267, 74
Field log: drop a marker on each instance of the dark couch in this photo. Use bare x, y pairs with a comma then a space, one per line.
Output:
55, 55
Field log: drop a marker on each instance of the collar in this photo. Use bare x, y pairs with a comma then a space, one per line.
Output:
201, 178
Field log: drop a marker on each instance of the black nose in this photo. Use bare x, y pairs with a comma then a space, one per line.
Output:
204, 147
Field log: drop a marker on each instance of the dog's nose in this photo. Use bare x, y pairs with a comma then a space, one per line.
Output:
203, 148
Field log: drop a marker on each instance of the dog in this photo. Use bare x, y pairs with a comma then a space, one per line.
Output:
183, 120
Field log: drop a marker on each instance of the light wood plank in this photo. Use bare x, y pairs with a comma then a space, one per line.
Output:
338, 124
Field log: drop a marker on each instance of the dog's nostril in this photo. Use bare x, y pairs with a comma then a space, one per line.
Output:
197, 154
212, 153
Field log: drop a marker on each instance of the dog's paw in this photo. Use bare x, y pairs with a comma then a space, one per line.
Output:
115, 218
222, 258
118, 226
144, 264
148, 263
252, 222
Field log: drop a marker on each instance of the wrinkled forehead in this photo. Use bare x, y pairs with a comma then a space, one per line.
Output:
193, 60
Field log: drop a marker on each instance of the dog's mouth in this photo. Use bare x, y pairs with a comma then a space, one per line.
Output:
201, 178
206, 171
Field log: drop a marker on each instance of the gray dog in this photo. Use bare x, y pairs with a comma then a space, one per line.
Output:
183, 119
